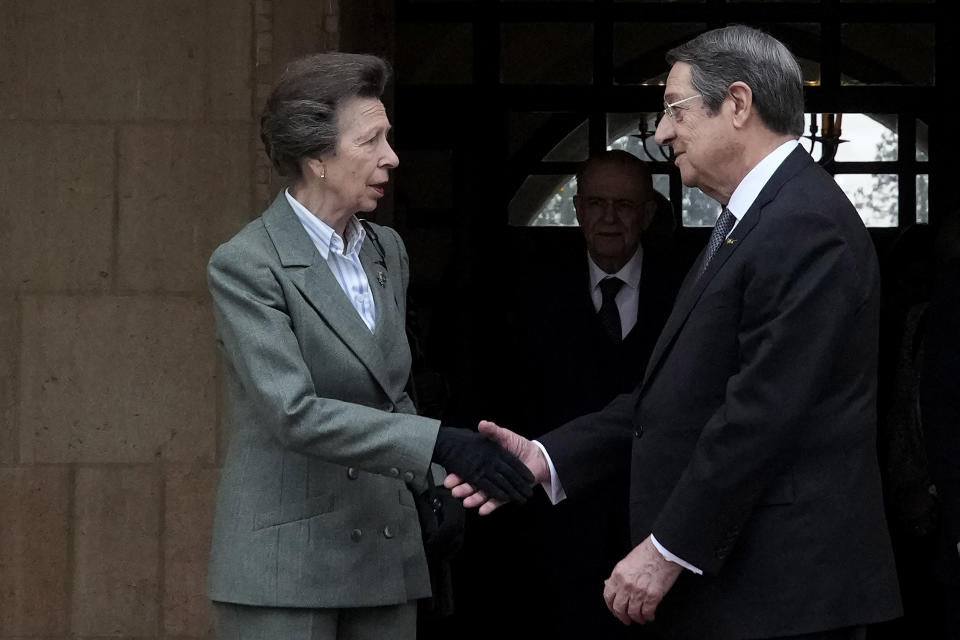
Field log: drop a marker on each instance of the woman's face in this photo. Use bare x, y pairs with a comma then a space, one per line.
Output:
357, 173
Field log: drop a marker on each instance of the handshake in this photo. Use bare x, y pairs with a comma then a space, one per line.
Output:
489, 468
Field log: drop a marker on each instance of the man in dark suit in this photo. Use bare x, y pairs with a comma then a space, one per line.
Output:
584, 335
587, 330
755, 503
940, 411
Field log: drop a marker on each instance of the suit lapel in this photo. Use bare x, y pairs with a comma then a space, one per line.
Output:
313, 278
653, 288
384, 291
692, 288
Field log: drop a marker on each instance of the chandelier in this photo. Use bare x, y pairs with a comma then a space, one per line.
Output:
828, 135
644, 133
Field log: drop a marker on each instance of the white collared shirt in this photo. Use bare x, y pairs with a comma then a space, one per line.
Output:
741, 200
628, 297
344, 262
749, 188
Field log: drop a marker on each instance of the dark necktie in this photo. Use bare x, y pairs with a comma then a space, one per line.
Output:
609, 313
720, 231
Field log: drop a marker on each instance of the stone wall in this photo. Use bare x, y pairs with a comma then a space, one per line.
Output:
128, 151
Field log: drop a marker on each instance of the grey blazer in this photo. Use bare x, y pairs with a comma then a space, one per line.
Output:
315, 504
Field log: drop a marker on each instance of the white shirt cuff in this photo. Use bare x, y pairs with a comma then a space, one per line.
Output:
552, 486
672, 558
556, 494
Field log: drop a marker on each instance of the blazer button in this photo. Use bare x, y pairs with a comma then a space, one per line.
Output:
387, 532
408, 476
352, 473
394, 472
638, 432
356, 534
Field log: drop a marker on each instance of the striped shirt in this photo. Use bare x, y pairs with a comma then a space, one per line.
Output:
344, 264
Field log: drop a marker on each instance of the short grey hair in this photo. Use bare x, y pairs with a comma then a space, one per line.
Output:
617, 157
299, 119
720, 57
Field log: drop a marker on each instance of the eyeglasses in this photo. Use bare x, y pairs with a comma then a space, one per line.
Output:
621, 207
668, 107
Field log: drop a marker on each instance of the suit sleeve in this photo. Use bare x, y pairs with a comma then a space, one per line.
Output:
802, 294
401, 261
592, 450
260, 346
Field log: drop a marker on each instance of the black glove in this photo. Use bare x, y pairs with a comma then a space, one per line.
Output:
484, 464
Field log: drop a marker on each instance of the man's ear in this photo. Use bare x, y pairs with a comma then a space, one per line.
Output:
649, 211
576, 208
742, 98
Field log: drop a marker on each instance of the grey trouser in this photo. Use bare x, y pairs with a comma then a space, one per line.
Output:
242, 622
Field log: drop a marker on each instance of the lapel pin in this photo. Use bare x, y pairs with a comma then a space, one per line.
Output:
381, 279
731, 240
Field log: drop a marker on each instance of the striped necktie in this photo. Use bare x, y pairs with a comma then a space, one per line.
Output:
720, 230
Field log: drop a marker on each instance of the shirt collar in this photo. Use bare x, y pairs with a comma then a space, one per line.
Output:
749, 188
323, 235
629, 273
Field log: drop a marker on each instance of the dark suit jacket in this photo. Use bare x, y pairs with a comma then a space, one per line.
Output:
569, 365
566, 365
940, 408
753, 435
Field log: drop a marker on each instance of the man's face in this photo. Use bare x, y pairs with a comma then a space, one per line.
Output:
701, 143
613, 209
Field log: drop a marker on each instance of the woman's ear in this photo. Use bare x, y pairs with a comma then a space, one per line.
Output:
313, 167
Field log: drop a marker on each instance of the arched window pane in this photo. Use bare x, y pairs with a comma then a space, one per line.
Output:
534, 134
699, 209
573, 148
922, 144
874, 196
923, 198
544, 201
633, 132
865, 137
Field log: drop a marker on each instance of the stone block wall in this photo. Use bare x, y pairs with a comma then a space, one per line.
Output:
128, 151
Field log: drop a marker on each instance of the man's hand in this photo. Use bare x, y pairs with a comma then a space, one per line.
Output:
528, 453
638, 583
483, 463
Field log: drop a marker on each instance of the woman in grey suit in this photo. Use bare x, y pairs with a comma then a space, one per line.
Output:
316, 533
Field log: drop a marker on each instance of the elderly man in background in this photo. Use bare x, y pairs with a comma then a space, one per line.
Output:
585, 335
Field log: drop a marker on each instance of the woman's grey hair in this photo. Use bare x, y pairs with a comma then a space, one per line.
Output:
299, 119
720, 57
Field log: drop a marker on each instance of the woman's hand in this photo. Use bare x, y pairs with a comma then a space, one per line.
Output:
525, 450
484, 464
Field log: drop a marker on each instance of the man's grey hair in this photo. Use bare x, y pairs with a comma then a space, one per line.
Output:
720, 57
617, 157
